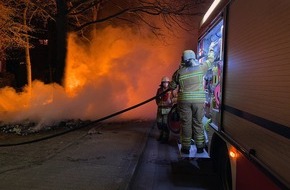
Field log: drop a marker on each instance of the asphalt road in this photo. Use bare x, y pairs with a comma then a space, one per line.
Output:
100, 158
107, 156
160, 168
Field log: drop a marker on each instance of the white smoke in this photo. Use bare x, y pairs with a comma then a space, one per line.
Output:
118, 69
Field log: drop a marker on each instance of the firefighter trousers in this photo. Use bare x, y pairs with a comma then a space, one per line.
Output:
191, 124
162, 115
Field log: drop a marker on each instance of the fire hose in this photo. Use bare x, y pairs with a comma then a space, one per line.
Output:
86, 124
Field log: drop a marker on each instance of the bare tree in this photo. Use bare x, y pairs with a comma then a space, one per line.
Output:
20, 22
10, 27
179, 13
83, 16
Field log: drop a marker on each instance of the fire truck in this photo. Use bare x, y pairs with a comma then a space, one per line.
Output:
246, 44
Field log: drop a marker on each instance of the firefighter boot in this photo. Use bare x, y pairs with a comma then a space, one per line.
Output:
199, 144
160, 138
165, 134
199, 150
165, 138
186, 142
185, 150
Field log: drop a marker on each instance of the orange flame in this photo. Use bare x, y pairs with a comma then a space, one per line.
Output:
116, 70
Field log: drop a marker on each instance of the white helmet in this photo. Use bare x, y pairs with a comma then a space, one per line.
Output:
188, 54
189, 58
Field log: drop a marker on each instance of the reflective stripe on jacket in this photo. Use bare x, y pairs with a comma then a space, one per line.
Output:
190, 81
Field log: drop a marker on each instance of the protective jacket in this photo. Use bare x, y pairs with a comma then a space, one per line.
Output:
190, 82
164, 102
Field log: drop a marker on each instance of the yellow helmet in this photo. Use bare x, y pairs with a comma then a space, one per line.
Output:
165, 79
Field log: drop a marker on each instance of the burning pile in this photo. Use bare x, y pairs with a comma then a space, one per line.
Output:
28, 127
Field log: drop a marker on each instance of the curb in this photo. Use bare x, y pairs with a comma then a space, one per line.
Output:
141, 153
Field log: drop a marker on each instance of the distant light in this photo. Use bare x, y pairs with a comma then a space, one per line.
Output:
43, 42
210, 10
233, 154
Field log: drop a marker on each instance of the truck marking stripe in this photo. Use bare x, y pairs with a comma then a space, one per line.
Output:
267, 124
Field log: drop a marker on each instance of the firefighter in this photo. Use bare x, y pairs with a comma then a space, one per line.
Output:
164, 104
190, 100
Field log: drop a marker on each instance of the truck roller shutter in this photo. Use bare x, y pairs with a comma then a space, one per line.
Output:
257, 81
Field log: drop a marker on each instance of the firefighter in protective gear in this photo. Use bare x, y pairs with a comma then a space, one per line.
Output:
190, 100
164, 104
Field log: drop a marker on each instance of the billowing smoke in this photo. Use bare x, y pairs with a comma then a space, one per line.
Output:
117, 69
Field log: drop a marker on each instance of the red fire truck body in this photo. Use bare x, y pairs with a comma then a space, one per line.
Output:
247, 46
